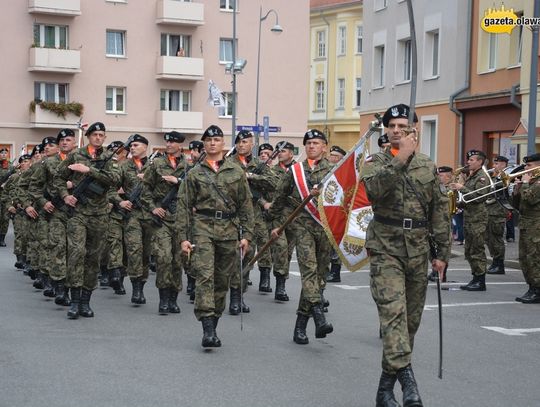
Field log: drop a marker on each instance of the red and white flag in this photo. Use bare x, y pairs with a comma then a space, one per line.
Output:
345, 209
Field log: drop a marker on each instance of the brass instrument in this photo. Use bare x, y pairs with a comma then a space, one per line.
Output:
453, 196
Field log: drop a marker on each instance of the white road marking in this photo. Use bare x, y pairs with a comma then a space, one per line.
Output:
358, 287
469, 304
512, 332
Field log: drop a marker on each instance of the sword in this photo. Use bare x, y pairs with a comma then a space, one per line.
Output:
439, 301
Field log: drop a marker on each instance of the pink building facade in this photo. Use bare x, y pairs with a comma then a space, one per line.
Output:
144, 67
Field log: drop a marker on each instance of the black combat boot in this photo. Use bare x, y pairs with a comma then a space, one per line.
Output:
48, 289
152, 264
114, 278
411, 398
497, 267
163, 301
19, 264
264, 282
325, 303
281, 294
478, 283
104, 277
73, 312
62, 297
192, 297
526, 295
173, 305
533, 298
385, 392
84, 307
122, 289
234, 304
322, 328
137, 296
190, 285
210, 338
300, 336
39, 282
2, 240
334, 276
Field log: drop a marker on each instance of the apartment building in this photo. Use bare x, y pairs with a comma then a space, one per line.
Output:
335, 80
145, 66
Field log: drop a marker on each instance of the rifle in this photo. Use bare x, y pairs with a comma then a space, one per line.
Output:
135, 198
262, 165
8, 174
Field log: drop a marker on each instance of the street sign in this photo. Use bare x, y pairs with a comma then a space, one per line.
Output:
260, 129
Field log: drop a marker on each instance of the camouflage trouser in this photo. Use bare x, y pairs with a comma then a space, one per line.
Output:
313, 254
44, 264
398, 287
334, 258
529, 256
4, 219
281, 251
168, 257
213, 262
475, 251
261, 236
115, 243
20, 243
495, 237
32, 235
138, 238
85, 244
58, 245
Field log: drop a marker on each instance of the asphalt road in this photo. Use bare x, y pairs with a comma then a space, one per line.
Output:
131, 356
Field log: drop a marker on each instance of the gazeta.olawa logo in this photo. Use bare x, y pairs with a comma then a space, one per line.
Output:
503, 20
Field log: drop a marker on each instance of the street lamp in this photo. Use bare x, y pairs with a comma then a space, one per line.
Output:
275, 29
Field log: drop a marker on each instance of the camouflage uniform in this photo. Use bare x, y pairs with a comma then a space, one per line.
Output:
8, 199
399, 254
5, 168
213, 228
495, 229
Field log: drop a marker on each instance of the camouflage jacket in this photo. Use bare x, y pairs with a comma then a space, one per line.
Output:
9, 191
200, 194
104, 178
493, 206
527, 200
476, 210
156, 188
392, 198
287, 196
5, 168
41, 187
22, 195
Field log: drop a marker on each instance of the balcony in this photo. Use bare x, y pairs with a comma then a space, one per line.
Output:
42, 118
180, 12
55, 60
187, 122
180, 68
68, 8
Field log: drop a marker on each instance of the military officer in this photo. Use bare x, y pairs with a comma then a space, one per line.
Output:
407, 202
475, 219
526, 196
214, 205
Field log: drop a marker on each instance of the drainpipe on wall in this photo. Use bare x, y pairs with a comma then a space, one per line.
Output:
326, 85
454, 95
513, 99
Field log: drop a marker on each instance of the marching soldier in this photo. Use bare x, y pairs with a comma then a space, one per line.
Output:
407, 202
214, 206
475, 220
5, 168
265, 151
161, 182
312, 245
89, 166
527, 199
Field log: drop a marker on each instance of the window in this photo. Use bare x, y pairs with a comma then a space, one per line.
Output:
51, 36
226, 50
380, 4
116, 43
175, 100
175, 45
340, 96
516, 42
227, 4
51, 92
428, 138
378, 71
321, 44
359, 38
227, 111
115, 100
358, 92
492, 52
404, 60
342, 40
319, 86
431, 60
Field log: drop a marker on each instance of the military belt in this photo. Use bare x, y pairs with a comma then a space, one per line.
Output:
406, 223
215, 214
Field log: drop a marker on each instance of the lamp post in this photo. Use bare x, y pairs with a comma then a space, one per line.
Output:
275, 29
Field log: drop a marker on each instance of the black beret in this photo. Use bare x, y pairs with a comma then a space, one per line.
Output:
314, 134
64, 133
49, 140
115, 144
37, 149
400, 111
479, 153
3, 150
242, 135
501, 158
265, 146
282, 145
444, 169
338, 149
196, 145
212, 131
383, 139
532, 158
174, 136
97, 126
138, 138
24, 157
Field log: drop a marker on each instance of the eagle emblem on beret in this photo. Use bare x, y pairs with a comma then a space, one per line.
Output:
394, 112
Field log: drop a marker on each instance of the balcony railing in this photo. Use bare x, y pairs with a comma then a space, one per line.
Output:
55, 7
179, 12
55, 60
42, 118
180, 68
187, 122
